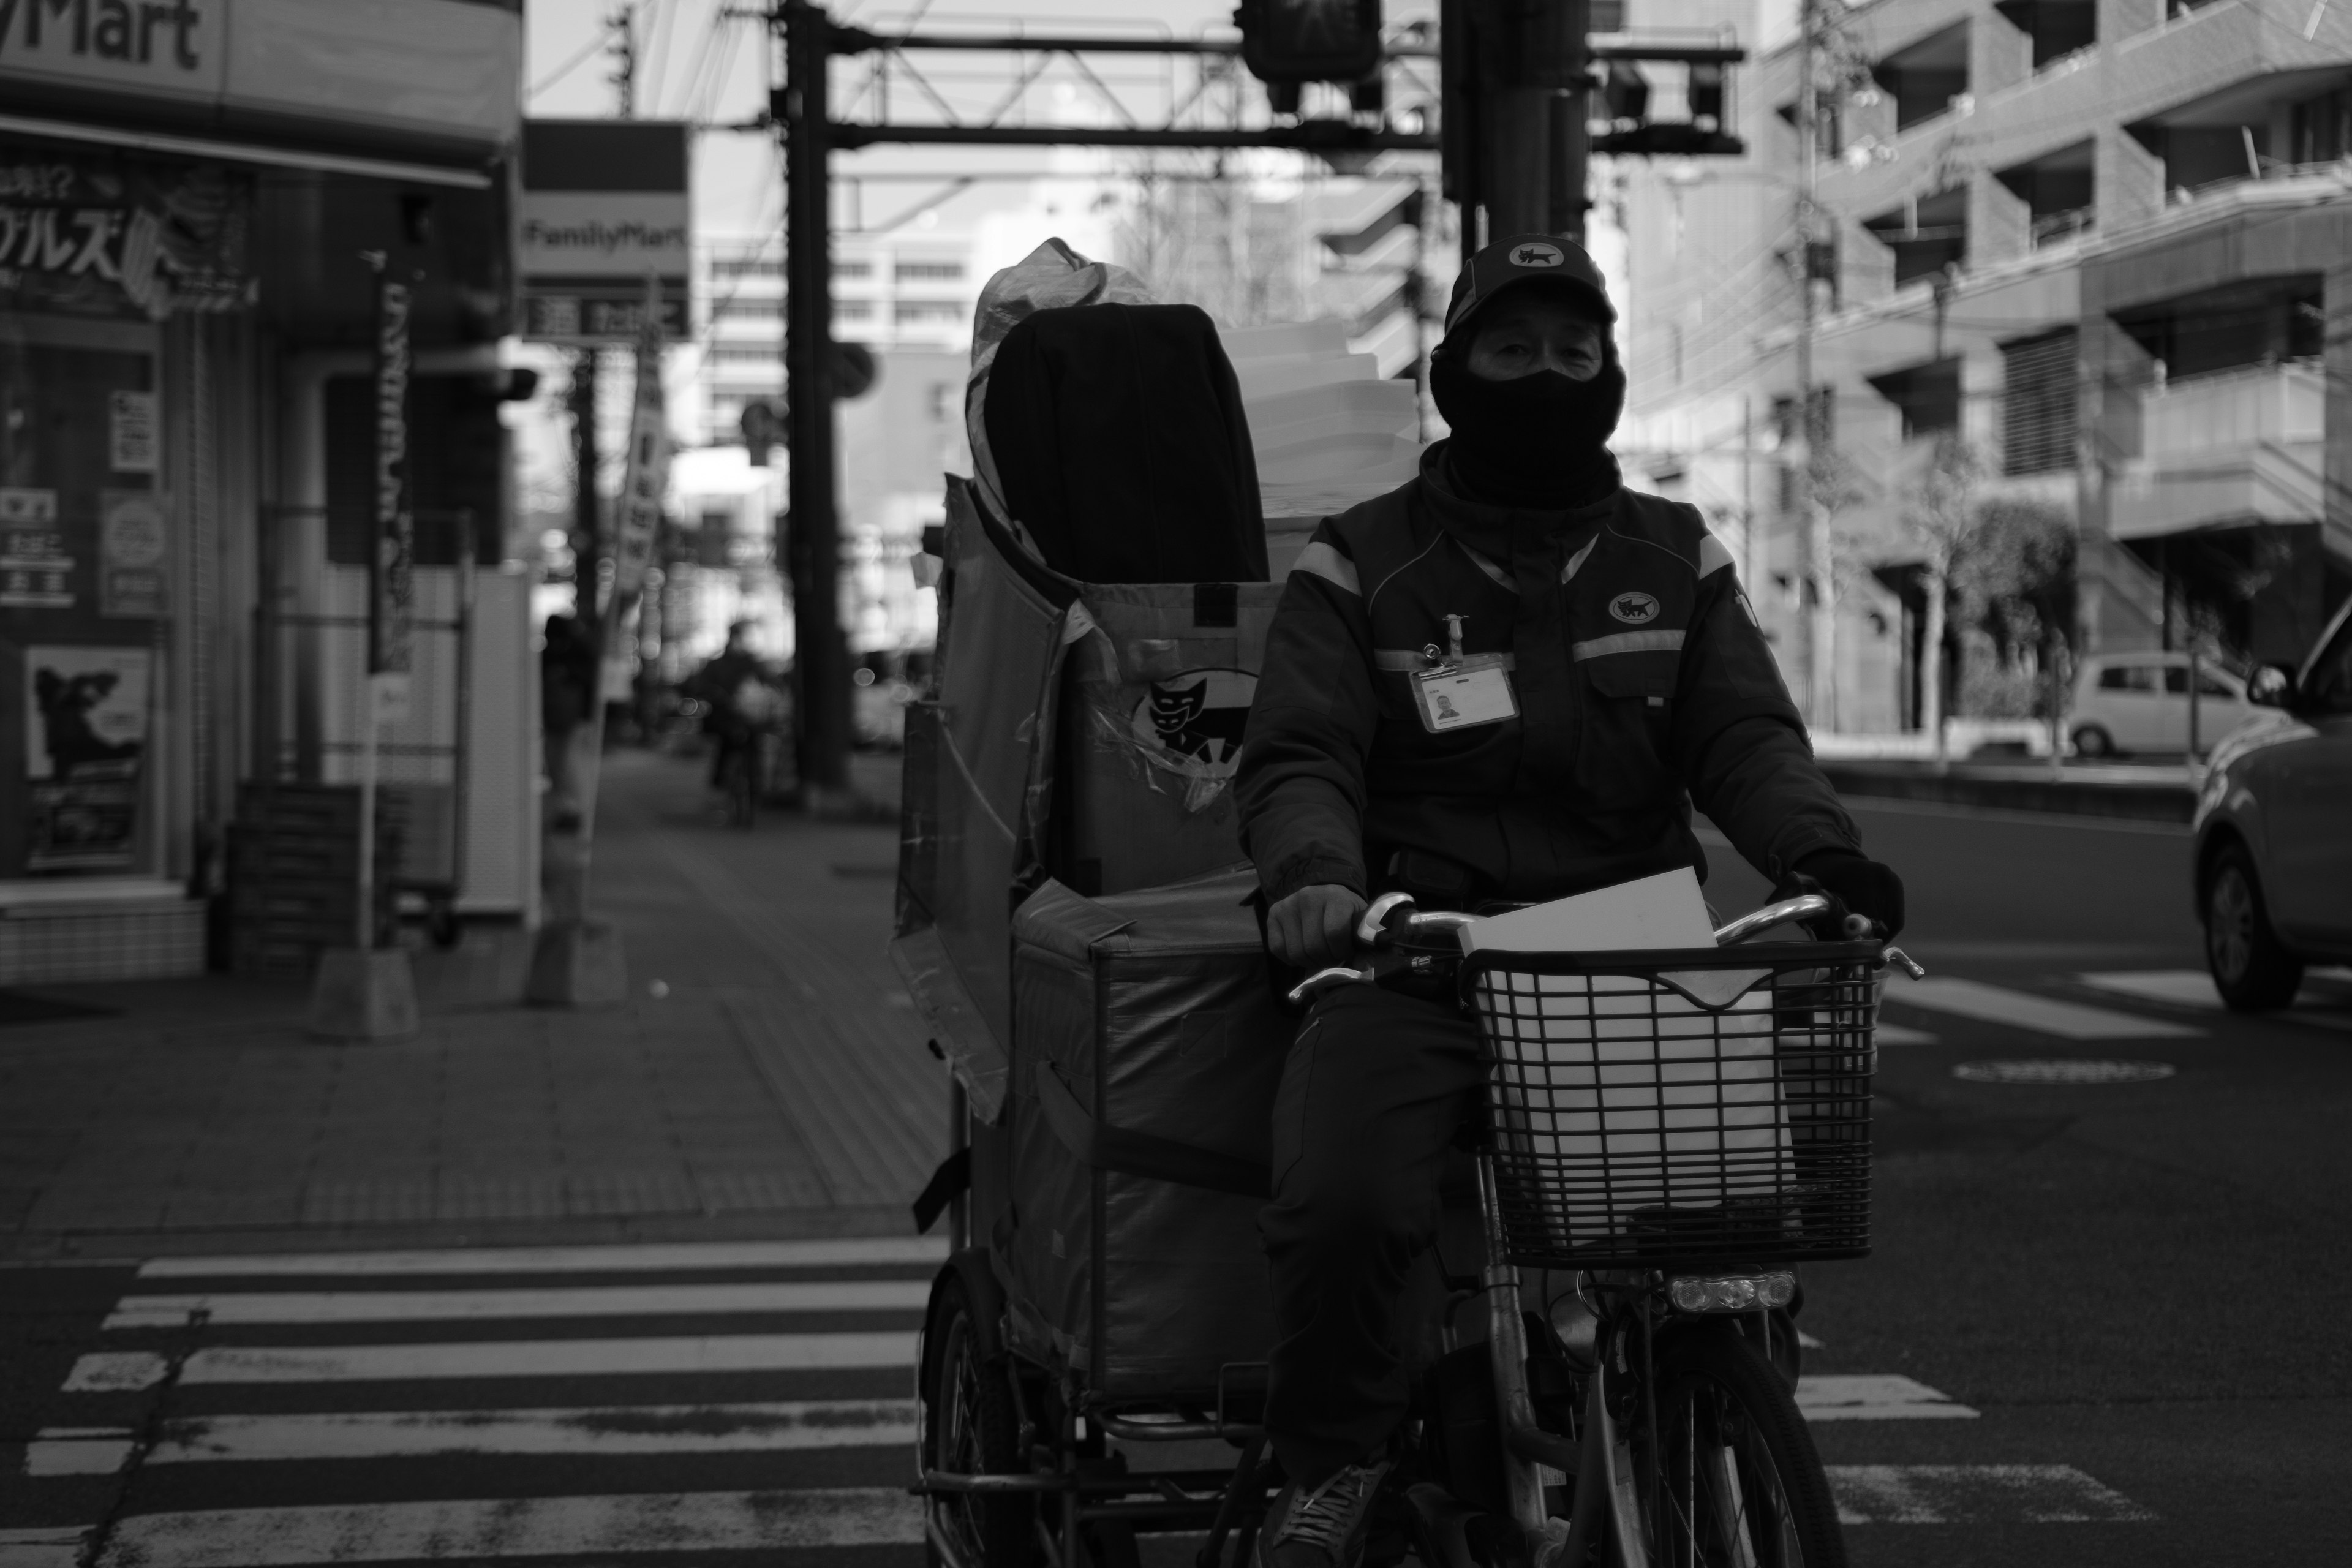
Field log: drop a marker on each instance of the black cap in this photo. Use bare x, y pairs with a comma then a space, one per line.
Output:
1527, 259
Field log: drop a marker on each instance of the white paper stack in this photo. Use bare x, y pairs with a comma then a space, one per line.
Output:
1678, 1103
1328, 430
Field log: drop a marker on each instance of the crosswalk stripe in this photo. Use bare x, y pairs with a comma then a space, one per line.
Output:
490, 1529
1902, 1034
42, 1546
1874, 1398
1977, 1494
645, 1258
550, 1358
2194, 988
594, 1432
585, 1302
506, 1358
2044, 1015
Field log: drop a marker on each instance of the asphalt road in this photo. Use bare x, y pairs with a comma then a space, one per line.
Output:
2104, 1323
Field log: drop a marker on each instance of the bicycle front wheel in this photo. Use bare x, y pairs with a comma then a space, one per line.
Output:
1734, 1481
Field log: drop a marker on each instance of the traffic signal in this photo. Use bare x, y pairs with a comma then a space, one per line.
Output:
762, 422
1310, 40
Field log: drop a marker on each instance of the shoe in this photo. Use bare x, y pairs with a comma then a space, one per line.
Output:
1323, 1528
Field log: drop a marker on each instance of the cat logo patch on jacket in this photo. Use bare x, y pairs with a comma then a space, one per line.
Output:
1634, 609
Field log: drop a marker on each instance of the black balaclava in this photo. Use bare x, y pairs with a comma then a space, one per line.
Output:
1539, 441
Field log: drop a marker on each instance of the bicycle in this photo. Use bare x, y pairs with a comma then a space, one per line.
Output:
1669, 1136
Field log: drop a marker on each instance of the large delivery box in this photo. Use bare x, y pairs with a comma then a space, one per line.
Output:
1146, 1038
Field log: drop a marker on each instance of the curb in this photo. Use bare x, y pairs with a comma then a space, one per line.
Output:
2137, 801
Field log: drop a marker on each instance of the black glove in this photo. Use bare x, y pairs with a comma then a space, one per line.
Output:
1864, 885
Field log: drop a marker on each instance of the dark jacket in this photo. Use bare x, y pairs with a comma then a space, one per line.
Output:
1642, 680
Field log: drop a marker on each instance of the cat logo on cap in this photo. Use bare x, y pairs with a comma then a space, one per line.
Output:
1634, 609
1536, 254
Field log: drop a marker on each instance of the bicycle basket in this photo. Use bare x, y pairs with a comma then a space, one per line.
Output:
1680, 1108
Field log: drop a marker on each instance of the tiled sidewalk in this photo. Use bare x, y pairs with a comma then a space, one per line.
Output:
777, 1085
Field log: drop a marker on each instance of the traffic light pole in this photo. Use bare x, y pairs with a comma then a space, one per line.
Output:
821, 654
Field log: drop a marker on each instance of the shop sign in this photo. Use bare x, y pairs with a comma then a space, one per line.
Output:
392, 577
646, 477
440, 68
173, 48
605, 205
86, 714
112, 236
35, 572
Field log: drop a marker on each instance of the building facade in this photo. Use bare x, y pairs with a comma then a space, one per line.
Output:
2086, 259
193, 213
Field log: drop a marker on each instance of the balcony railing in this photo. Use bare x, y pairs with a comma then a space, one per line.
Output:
2057, 229
2341, 168
2279, 405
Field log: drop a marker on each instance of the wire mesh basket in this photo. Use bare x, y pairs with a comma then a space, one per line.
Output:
1681, 1108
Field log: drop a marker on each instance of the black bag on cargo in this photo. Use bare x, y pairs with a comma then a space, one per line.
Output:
1146, 1048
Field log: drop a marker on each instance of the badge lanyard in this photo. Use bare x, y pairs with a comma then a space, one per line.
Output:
1462, 690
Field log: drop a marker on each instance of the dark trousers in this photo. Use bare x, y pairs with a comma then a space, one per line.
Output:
1374, 1090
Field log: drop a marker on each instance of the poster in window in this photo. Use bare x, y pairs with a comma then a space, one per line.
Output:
35, 568
86, 712
131, 544
130, 431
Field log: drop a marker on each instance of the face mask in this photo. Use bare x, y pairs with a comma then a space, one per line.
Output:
1539, 440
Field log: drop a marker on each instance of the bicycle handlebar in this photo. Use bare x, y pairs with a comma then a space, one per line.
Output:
1383, 925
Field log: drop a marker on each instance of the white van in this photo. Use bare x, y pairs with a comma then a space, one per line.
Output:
2139, 702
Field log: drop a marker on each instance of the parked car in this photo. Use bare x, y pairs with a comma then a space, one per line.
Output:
2274, 830
2139, 702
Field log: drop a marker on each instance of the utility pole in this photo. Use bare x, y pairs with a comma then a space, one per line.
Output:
821, 655
623, 46
1515, 115
1819, 594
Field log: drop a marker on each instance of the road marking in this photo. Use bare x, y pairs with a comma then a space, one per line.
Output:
1874, 1398
547, 1358
1977, 1494
588, 1433
2064, 1070
586, 1301
844, 1252
1998, 1005
116, 1372
1902, 1034
492, 1529
2194, 988
79, 1451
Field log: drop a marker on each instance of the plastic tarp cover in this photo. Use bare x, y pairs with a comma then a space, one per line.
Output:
998, 675
1154, 1007
1049, 277
1159, 691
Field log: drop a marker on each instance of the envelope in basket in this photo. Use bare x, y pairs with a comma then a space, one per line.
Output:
1638, 1098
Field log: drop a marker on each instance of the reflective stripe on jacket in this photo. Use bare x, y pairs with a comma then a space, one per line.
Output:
1642, 680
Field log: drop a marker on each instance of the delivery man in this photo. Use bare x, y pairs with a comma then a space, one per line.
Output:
1602, 670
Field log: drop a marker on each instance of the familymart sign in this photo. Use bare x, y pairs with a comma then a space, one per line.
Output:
171, 46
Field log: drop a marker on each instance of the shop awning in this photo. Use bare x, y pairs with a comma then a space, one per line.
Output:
247, 152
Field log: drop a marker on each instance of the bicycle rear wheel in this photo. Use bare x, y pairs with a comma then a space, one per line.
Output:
1734, 1481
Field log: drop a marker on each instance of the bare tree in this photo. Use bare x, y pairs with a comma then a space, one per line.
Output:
1941, 516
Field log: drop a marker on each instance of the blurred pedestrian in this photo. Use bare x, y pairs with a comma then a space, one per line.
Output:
567, 681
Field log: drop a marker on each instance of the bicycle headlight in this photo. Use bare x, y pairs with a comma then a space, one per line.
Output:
1731, 1292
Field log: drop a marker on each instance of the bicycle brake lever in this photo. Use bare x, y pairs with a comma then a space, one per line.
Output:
1906, 963
1338, 974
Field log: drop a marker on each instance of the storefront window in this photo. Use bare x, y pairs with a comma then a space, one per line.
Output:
95, 252
83, 541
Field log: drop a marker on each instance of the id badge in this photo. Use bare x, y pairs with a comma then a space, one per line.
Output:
1461, 696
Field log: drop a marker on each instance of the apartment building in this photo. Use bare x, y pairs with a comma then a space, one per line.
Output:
2106, 244
910, 303
915, 293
